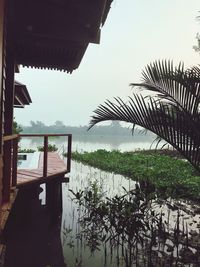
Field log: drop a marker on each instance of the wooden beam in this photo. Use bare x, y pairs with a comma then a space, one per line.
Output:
2, 73
10, 137
14, 162
69, 153
9, 92
42, 135
1, 43
45, 156
8, 123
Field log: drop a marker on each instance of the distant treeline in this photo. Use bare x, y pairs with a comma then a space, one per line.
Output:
114, 128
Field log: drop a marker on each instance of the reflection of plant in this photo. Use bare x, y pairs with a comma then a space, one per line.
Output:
120, 221
51, 148
130, 227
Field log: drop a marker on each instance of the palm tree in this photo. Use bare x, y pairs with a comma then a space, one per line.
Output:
171, 110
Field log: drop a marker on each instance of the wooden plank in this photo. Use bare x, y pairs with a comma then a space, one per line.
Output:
2, 11
29, 182
7, 171
31, 171
5, 209
25, 181
28, 175
56, 168
2, 87
42, 135
14, 162
10, 137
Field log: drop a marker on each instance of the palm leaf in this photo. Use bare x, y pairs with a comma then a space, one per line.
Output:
182, 87
172, 113
165, 120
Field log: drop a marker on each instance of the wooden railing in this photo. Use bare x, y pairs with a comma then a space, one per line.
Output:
46, 142
10, 154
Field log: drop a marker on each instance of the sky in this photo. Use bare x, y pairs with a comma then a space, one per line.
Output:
136, 33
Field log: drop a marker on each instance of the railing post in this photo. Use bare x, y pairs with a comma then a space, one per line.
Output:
45, 156
69, 152
7, 171
14, 162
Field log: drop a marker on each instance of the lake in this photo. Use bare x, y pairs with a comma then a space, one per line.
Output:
92, 143
106, 221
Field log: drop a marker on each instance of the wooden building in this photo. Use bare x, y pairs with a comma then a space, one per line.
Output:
51, 34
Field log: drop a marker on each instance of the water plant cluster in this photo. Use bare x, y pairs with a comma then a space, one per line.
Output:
169, 175
132, 231
26, 150
51, 148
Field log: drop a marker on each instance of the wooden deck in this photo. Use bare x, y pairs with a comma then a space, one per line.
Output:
56, 167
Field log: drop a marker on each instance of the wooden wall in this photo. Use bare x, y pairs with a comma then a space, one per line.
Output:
2, 88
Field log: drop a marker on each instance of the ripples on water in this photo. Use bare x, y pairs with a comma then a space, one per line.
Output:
39, 244
75, 248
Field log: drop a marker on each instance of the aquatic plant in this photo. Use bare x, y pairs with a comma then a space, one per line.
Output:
170, 176
26, 150
132, 229
51, 148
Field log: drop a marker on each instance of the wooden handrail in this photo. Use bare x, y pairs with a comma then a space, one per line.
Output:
45, 155
42, 135
10, 158
9, 137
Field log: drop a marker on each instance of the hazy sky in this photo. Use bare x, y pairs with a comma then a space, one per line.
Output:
136, 33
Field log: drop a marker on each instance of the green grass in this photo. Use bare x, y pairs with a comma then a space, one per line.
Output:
170, 175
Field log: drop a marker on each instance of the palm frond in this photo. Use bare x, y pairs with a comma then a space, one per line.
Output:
182, 87
167, 121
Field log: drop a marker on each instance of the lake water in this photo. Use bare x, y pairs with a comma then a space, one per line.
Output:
77, 247
79, 239
92, 143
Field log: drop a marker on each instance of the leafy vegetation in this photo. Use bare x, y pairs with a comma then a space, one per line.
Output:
26, 150
51, 148
133, 229
17, 129
171, 111
169, 175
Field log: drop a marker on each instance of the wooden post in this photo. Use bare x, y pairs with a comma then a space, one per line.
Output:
6, 171
45, 156
8, 124
2, 87
69, 152
54, 197
14, 162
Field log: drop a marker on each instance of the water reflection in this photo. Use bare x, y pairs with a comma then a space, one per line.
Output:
130, 229
92, 143
107, 221
32, 238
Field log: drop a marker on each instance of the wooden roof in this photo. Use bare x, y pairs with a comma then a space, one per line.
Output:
21, 96
55, 33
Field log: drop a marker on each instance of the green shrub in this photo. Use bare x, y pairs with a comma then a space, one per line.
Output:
26, 150
51, 148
